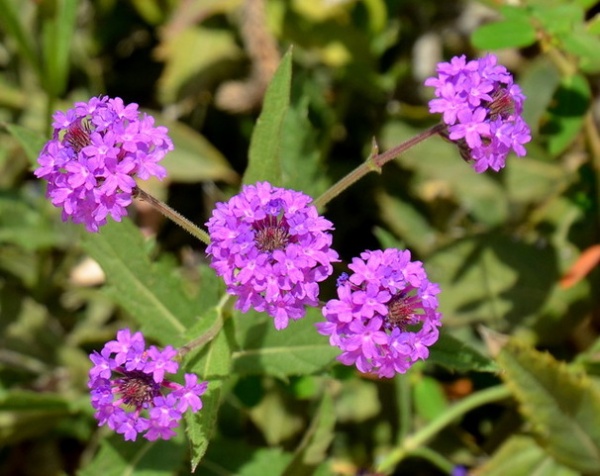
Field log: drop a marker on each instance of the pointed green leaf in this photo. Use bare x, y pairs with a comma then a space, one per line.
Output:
455, 355
31, 141
264, 157
562, 406
118, 457
152, 294
57, 37
522, 456
213, 364
296, 350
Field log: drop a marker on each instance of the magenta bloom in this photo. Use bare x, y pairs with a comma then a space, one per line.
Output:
272, 249
385, 317
130, 393
482, 109
97, 150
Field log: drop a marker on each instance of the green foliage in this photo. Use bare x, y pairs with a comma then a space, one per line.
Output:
278, 402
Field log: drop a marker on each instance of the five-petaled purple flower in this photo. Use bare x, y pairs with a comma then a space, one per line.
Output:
130, 393
272, 249
97, 149
385, 317
482, 109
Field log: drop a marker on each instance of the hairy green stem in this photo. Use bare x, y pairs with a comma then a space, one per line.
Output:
422, 436
173, 215
373, 164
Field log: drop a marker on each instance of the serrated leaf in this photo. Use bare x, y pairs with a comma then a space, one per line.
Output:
31, 141
571, 103
563, 407
521, 456
213, 364
136, 458
455, 355
153, 296
264, 156
296, 350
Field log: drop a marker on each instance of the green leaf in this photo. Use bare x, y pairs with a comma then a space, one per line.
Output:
185, 70
152, 295
213, 364
136, 458
570, 104
57, 37
585, 46
26, 415
429, 398
317, 439
515, 33
264, 157
296, 350
455, 355
194, 158
539, 83
31, 141
493, 278
520, 455
559, 20
563, 407
237, 457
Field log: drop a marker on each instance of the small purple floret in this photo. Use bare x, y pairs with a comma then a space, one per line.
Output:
97, 150
482, 109
131, 395
385, 317
272, 249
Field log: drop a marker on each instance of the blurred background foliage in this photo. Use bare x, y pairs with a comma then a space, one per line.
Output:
504, 247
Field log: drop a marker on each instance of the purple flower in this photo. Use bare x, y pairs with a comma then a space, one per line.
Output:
129, 391
272, 249
481, 107
97, 150
385, 317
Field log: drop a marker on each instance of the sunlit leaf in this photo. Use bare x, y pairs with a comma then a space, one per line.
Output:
562, 406
297, 350
153, 296
264, 157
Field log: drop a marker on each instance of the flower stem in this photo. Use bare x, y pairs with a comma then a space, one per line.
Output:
422, 436
373, 164
173, 215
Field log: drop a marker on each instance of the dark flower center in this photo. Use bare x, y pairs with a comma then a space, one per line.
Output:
502, 104
78, 136
272, 233
400, 312
137, 388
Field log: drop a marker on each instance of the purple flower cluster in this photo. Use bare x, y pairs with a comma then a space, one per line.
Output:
127, 384
385, 317
97, 149
482, 109
272, 249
